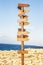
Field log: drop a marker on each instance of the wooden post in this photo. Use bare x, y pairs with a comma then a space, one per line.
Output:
22, 55
22, 43
20, 36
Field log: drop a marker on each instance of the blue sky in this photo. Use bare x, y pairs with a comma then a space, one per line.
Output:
9, 24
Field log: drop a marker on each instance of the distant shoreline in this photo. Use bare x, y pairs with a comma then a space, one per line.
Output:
16, 46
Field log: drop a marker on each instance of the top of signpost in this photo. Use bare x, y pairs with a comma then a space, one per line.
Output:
23, 5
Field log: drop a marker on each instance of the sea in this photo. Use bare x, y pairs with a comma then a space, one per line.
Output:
17, 47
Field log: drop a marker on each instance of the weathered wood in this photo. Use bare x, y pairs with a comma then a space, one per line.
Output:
22, 32
23, 5
22, 52
26, 11
24, 23
22, 12
22, 39
22, 36
19, 29
22, 20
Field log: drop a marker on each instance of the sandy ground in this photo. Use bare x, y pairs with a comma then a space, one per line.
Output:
11, 57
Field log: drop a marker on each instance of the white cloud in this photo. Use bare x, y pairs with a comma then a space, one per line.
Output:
7, 39
0, 35
3, 38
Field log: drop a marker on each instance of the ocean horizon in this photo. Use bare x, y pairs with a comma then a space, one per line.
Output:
16, 46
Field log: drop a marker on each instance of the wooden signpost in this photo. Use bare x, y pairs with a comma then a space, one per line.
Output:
22, 33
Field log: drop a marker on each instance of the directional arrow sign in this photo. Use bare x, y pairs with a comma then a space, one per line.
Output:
24, 23
19, 38
22, 19
22, 39
23, 32
20, 13
19, 29
26, 11
22, 52
23, 5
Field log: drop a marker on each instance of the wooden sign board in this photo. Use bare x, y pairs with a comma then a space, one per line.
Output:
22, 52
23, 5
25, 16
24, 23
19, 29
22, 12
20, 36
22, 39
22, 19
22, 32
26, 11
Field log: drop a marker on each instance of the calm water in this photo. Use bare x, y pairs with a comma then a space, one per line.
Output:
16, 47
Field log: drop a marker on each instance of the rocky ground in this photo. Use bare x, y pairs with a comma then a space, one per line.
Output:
11, 57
